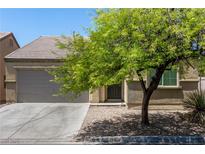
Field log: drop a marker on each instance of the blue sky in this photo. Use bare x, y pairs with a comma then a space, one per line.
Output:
29, 24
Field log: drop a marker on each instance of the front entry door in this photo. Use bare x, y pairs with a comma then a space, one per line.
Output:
114, 91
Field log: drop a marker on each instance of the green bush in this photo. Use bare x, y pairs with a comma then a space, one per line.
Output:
195, 102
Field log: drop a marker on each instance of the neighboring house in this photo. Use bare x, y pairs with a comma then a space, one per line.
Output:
28, 80
8, 44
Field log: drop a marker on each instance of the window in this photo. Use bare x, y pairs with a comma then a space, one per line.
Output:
169, 78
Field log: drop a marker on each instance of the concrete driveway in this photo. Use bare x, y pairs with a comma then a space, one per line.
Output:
41, 123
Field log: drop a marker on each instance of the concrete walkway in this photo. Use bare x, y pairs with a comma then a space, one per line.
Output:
41, 123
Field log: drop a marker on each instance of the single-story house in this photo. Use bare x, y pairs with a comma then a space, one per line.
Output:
8, 44
28, 81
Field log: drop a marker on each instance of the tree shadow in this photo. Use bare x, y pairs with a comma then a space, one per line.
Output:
129, 125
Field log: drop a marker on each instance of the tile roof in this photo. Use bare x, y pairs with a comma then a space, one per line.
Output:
42, 48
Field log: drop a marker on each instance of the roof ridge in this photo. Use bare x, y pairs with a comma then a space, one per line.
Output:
10, 34
5, 34
22, 47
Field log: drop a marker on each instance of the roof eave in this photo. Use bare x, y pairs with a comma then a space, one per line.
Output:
10, 34
31, 60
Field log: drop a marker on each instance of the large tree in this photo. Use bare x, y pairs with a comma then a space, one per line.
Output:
124, 43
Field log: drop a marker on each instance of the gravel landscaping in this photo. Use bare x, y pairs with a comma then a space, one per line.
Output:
120, 121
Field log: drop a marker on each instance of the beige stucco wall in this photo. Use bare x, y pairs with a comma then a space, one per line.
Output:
190, 73
11, 70
132, 93
168, 96
5, 49
164, 95
100, 94
94, 96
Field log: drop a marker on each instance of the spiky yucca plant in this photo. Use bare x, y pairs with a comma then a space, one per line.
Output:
195, 101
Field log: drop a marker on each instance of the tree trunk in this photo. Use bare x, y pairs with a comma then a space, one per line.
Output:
145, 105
147, 92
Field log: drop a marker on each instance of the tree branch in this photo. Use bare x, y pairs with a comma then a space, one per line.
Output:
156, 79
187, 62
142, 82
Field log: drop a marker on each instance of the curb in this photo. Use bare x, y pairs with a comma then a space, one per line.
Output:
147, 140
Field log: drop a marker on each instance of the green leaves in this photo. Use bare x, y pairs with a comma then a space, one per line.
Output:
125, 41
195, 101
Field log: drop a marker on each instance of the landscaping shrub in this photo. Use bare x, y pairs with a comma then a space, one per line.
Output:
195, 102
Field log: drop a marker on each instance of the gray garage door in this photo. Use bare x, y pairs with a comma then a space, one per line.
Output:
35, 86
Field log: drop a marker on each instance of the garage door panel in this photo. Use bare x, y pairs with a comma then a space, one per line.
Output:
35, 86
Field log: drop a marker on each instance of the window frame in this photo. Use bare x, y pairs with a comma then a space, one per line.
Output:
167, 86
